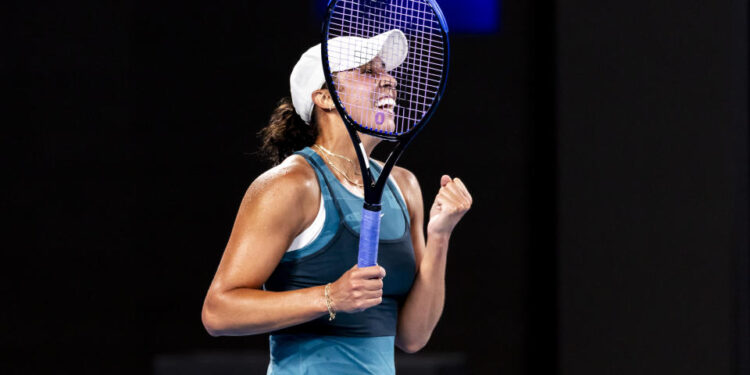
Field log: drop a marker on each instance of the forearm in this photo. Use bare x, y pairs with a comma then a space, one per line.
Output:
424, 304
247, 311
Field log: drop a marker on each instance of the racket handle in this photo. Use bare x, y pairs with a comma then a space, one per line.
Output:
369, 234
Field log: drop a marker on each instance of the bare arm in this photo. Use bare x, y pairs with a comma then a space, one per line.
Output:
276, 207
424, 305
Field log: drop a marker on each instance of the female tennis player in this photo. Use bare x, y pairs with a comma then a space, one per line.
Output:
289, 267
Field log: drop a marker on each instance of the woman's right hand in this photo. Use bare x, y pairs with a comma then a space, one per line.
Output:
358, 289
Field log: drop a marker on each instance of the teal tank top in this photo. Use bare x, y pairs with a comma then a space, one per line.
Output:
395, 216
359, 343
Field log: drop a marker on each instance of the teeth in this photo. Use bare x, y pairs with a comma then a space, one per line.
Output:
386, 102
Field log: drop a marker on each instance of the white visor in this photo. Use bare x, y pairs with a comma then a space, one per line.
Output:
344, 53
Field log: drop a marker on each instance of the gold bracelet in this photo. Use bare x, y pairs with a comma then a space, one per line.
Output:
329, 303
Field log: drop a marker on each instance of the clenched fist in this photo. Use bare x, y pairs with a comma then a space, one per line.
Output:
451, 203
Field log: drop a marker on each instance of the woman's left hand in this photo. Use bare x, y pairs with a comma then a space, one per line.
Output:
451, 203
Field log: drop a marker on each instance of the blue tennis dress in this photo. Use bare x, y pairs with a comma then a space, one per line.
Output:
358, 343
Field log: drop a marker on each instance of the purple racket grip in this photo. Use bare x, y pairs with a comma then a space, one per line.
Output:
369, 234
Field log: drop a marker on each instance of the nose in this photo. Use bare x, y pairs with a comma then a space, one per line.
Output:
387, 81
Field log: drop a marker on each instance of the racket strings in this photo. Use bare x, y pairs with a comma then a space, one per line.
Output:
418, 77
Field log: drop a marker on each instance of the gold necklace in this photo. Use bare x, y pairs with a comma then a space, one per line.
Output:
346, 177
321, 148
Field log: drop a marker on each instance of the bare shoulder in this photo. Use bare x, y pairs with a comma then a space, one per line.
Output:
293, 175
411, 191
291, 185
409, 185
405, 179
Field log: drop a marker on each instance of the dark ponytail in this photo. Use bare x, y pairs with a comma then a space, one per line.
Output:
286, 133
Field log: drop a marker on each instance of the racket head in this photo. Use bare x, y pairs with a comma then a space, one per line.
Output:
385, 63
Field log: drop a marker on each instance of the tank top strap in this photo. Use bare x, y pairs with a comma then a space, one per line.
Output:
317, 163
322, 171
394, 192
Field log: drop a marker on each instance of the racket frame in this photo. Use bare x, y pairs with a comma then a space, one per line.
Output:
374, 189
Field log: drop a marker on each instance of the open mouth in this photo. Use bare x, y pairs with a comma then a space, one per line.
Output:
386, 104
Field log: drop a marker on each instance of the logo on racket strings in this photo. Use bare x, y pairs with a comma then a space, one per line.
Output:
379, 118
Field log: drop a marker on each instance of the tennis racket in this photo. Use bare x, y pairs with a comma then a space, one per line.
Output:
386, 64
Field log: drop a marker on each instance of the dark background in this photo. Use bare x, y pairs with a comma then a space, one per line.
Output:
605, 144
